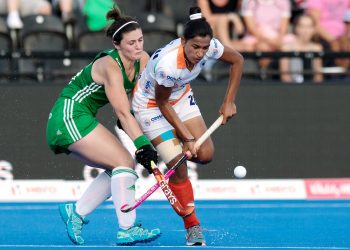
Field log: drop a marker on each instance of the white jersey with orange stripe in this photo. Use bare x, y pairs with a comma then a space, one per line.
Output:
167, 67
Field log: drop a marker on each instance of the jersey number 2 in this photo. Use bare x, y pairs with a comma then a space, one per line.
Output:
192, 100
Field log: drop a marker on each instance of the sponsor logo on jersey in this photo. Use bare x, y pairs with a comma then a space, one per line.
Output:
179, 87
147, 86
156, 118
215, 43
162, 75
147, 122
173, 79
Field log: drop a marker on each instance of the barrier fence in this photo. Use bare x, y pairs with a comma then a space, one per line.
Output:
292, 139
48, 65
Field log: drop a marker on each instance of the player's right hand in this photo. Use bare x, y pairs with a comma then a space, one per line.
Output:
189, 149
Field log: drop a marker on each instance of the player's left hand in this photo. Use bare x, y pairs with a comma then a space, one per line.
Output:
228, 110
145, 155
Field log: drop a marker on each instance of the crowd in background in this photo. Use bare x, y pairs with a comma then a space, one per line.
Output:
246, 25
284, 25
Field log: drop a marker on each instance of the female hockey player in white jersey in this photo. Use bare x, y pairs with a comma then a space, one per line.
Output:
166, 110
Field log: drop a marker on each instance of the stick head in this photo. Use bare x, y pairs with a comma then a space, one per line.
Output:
126, 208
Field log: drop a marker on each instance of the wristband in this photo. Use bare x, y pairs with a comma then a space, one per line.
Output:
141, 141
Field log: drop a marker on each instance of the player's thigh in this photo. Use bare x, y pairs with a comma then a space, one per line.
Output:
197, 127
103, 149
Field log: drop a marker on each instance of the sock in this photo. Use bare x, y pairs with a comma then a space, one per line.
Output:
97, 192
184, 193
123, 192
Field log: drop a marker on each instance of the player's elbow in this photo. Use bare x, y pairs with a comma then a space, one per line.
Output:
239, 59
205, 160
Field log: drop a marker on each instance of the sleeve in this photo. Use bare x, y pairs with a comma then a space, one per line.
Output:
164, 75
285, 8
247, 7
216, 49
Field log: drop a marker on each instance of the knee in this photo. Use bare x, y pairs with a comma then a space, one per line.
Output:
125, 161
249, 47
129, 161
205, 155
205, 158
263, 46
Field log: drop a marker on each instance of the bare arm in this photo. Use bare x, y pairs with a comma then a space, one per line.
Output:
204, 5
143, 61
162, 99
320, 30
228, 107
251, 27
210, 16
106, 71
317, 66
284, 66
284, 26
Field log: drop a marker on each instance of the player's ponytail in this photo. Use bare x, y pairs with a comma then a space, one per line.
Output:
197, 25
120, 25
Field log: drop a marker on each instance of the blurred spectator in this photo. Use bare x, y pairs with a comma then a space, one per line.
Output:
267, 22
292, 68
297, 7
95, 13
15, 9
65, 8
328, 15
224, 19
344, 43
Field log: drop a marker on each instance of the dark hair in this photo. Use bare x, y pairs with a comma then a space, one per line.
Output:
119, 20
198, 26
300, 16
296, 22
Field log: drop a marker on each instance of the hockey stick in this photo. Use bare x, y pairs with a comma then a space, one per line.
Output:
127, 208
174, 202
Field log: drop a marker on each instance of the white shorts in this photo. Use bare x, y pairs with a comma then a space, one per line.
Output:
153, 123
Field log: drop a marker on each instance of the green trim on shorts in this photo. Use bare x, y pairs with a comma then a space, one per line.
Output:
68, 122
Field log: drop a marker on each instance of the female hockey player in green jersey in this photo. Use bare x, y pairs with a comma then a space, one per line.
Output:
73, 129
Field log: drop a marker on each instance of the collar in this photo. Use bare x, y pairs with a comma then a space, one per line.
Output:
181, 63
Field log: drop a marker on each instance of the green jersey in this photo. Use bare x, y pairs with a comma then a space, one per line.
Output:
73, 115
84, 90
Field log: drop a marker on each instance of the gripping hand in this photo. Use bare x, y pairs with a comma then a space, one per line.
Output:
145, 155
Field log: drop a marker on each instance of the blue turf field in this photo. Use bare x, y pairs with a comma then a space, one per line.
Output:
228, 225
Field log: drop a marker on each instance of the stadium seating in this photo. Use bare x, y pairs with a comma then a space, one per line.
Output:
5, 38
179, 11
90, 41
131, 8
158, 30
40, 34
43, 33
5, 45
